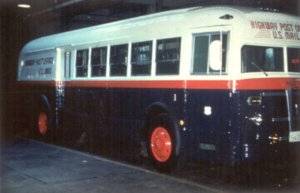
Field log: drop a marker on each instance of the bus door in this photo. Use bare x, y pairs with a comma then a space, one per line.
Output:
208, 105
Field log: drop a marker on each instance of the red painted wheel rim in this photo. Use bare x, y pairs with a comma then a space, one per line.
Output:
161, 144
43, 123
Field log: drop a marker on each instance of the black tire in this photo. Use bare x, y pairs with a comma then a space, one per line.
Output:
163, 157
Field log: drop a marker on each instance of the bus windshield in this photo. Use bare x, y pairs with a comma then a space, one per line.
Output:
265, 59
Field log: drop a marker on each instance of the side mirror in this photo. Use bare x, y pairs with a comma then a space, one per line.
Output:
215, 55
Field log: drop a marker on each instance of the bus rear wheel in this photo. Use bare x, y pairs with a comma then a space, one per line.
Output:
42, 122
161, 145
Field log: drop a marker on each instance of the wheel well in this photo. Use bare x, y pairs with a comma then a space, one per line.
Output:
41, 101
151, 111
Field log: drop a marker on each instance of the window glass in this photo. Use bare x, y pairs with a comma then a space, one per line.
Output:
67, 64
99, 61
118, 60
141, 56
257, 58
168, 56
293, 59
82, 63
201, 54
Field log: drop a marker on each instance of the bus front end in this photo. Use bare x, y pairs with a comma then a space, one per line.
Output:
268, 100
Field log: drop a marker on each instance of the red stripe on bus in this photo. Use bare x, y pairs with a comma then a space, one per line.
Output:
209, 84
268, 83
176, 84
247, 84
131, 84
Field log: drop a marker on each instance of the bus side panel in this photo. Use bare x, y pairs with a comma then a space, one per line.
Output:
209, 125
117, 113
128, 107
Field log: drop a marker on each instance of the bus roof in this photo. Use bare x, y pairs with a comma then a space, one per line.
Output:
242, 17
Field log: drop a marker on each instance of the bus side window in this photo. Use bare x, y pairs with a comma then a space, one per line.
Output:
293, 59
98, 63
141, 56
168, 56
201, 52
118, 60
82, 63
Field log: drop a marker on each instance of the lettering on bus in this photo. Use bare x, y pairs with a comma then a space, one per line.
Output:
40, 61
293, 83
276, 30
29, 62
48, 60
45, 71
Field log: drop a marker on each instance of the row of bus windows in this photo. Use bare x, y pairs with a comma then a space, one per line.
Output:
167, 59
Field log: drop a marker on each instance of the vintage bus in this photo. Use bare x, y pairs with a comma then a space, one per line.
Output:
208, 83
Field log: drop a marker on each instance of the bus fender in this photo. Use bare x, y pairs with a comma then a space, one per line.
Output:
153, 110
46, 102
42, 100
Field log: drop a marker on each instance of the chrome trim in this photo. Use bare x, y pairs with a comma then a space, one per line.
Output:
289, 99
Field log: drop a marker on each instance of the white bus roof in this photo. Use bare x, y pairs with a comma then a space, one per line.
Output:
243, 18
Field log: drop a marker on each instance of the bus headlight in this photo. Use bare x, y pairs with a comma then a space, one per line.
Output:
256, 119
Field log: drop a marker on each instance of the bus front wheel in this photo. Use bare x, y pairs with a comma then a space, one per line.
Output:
161, 145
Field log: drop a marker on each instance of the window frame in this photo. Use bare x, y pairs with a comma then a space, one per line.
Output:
167, 60
125, 63
99, 65
149, 62
287, 59
82, 66
284, 58
208, 71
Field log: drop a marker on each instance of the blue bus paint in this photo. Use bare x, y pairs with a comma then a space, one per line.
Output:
117, 113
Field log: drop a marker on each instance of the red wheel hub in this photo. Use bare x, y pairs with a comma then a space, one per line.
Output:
161, 144
43, 123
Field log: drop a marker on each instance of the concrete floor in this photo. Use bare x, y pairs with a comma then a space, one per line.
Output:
31, 166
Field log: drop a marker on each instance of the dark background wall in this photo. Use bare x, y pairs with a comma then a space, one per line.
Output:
45, 17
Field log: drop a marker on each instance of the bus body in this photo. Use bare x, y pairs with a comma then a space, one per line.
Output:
152, 80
